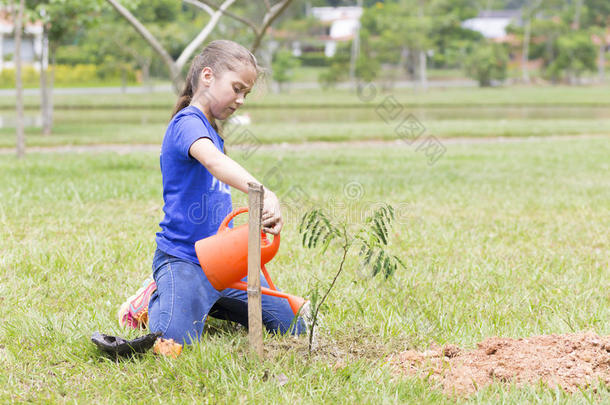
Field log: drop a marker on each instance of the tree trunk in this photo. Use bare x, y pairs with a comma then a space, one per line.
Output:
50, 84
19, 83
601, 63
44, 85
412, 67
576, 22
423, 74
268, 19
355, 51
123, 80
146, 82
526, 51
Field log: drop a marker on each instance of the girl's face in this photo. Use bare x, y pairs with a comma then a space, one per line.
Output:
220, 95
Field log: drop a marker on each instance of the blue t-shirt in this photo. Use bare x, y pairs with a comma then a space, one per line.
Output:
195, 201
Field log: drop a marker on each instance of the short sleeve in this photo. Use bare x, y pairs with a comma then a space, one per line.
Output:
188, 130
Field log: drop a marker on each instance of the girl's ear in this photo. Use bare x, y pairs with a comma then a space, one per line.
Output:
207, 76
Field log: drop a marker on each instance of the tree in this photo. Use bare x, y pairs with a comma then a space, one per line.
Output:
403, 32
122, 50
18, 18
372, 239
452, 42
175, 66
488, 63
601, 38
282, 66
528, 11
597, 16
575, 54
61, 20
338, 69
336, 72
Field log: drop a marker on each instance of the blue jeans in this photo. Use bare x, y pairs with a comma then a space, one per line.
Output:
184, 298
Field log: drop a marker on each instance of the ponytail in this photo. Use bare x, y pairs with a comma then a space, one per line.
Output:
185, 97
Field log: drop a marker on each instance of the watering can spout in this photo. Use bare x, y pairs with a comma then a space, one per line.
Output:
296, 303
224, 259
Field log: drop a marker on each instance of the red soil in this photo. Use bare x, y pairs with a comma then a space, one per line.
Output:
568, 361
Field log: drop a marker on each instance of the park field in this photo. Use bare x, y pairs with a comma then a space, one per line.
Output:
365, 94
498, 239
335, 115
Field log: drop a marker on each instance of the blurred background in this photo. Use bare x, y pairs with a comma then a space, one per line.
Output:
464, 68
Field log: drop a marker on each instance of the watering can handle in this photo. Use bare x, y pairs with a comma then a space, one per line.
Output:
224, 226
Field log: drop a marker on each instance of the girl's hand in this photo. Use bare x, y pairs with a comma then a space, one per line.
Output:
272, 216
230, 172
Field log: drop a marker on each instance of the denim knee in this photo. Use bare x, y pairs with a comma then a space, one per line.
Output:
184, 296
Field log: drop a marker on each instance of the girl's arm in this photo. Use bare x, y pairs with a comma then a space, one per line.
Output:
232, 173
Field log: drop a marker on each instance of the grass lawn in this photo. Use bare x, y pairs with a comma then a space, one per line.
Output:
467, 96
337, 115
295, 125
111, 132
507, 239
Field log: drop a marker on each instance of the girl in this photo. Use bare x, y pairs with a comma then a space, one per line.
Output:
196, 179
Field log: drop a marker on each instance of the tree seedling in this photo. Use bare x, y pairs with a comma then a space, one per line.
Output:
372, 239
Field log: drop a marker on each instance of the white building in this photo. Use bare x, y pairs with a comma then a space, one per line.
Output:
31, 43
493, 24
343, 25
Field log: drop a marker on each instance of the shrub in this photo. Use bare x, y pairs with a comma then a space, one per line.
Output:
367, 68
72, 55
29, 75
487, 63
333, 75
576, 54
283, 65
314, 59
68, 75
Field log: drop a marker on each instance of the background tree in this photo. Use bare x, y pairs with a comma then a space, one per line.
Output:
338, 69
18, 19
563, 33
488, 63
283, 67
528, 12
406, 33
175, 66
576, 54
597, 18
451, 42
61, 21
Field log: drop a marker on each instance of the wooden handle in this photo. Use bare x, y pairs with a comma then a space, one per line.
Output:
255, 312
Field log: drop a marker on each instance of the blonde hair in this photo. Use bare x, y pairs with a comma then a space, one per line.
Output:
220, 56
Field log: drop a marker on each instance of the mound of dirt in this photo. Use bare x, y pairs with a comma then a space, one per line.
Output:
569, 361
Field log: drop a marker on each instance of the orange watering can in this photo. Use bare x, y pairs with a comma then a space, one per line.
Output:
224, 259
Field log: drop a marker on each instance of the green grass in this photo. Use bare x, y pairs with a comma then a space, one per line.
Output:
337, 115
460, 97
499, 239
296, 125
306, 73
